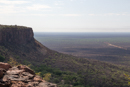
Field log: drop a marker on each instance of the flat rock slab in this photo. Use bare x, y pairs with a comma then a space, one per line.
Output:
5, 66
14, 72
26, 69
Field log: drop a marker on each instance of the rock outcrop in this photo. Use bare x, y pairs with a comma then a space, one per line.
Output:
21, 76
19, 43
16, 34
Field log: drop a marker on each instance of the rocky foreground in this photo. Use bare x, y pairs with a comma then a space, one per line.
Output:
20, 76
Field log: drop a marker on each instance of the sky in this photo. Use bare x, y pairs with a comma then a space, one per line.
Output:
67, 15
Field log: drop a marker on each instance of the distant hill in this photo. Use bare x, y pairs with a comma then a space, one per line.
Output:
17, 42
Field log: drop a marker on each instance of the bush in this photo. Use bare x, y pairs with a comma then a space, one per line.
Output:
2, 58
13, 62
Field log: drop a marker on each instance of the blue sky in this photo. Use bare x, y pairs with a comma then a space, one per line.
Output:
67, 15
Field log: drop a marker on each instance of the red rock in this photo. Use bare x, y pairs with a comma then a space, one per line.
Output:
18, 84
32, 84
5, 66
37, 78
42, 84
22, 76
5, 78
26, 69
14, 72
4, 85
2, 71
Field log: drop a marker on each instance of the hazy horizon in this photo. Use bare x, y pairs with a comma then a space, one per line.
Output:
67, 15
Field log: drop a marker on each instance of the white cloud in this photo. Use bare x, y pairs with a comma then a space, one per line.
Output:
9, 6
74, 15
109, 14
43, 14
91, 14
9, 9
58, 3
67, 15
12, 2
38, 7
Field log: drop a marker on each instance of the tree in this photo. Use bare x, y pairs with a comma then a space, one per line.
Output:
2, 58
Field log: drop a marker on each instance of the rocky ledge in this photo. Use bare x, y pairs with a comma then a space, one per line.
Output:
16, 34
20, 76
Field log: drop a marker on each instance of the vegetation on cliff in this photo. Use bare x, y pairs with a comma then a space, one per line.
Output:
12, 26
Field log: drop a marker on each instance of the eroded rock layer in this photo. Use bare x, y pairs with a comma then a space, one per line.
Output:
16, 34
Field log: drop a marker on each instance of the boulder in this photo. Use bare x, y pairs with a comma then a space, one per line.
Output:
42, 84
46, 84
37, 78
26, 69
33, 84
2, 72
18, 84
5, 85
14, 72
5, 66
22, 76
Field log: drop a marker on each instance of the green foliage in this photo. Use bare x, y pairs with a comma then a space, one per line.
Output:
2, 58
17, 57
128, 77
11, 26
56, 76
47, 76
13, 62
39, 73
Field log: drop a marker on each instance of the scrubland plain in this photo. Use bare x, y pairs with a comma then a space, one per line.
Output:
109, 47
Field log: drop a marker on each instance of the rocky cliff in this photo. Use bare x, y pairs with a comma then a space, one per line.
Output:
16, 34
18, 42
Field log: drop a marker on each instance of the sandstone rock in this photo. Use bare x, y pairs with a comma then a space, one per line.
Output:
2, 72
14, 68
26, 69
47, 84
42, 84
18, 84
27, 75
22, 76
51, 85
13, 78
33, 84
5, 85
37, 78
5, 78
14, 72
5, 66
16, 35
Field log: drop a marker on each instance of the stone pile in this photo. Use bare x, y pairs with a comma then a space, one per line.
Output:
20, 76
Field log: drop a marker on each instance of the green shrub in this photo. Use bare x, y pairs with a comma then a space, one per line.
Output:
2, 58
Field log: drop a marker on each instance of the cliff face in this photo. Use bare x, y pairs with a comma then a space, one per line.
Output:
16, 34
18, 42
